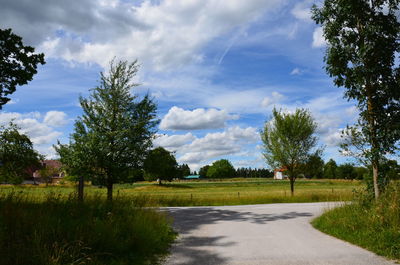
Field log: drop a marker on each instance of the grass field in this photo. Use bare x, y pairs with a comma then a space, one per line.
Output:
374, 225
212, 192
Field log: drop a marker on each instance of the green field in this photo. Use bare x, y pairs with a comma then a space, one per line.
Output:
211, 192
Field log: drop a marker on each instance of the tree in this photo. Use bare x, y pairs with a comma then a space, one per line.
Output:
346, 171
314, 166
221, 169
203, 171
16, 155
18, 64
115, 131
160, 165
330, 169
288, 139
363, 41
183, 170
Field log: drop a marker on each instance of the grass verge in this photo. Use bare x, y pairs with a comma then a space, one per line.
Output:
372, 225
59, 230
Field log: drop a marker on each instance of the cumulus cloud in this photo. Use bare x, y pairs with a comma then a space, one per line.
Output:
197, 119
159, 33
173, 142
232, 141
55, 118
273, 99
302, 11
318, 38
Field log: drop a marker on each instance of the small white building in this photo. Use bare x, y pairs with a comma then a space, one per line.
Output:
279, 173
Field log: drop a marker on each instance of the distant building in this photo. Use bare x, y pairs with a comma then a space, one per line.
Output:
192, 177
279, 173
49, 163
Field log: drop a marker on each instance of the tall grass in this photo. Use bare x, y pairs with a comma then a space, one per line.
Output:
58, 230
374, 225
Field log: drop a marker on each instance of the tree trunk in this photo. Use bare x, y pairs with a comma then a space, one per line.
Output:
292, 186
375, 171
109, 191
373, 140
80, 189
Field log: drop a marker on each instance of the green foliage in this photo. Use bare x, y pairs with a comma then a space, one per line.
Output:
374, 225
183, 171
288, 140
253, 173
17, 156
203, 171
330, 169
18, 64
115, 132
346, 171
47, 173
221, 169
62, 231
314, 167
363, 41
160, 164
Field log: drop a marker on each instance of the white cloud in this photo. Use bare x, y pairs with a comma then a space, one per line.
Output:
318, 38
273, 99
198, 119
39, 132
302, 11
296, 71
55, 118
173, 142
158, 33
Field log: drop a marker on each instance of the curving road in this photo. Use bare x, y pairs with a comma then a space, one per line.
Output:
276, 234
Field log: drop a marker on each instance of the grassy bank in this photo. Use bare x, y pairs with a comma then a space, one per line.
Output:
371, 225
214, 192
56, 230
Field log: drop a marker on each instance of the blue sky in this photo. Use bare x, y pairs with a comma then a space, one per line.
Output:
215, 68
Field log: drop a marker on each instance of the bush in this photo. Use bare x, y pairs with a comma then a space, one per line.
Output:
62, 231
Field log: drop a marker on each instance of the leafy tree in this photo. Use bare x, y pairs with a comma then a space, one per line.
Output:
288, 140
346, 171
363, 41
391, 169
183, 170
330, 169
16, 155
314, 166
203, 171
18, 64
221, 169
115, 131
160, 165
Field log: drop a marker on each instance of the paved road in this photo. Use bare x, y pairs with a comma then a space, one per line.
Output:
278, 234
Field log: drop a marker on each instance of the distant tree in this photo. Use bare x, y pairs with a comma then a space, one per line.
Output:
221, 169
288, 141
203, 171
330, 169
363, 42
160, 164
314, 166
361, 173
346, 171
18, 64
16, 155
115, 130
391, 169
183, 171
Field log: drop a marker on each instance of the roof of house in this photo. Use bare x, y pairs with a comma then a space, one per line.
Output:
52, 163
192, 177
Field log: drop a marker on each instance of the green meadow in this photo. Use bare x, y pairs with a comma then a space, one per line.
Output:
209, 192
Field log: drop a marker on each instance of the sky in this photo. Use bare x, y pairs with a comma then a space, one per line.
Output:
215, 68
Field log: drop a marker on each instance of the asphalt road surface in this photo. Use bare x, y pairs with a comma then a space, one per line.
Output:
278, 234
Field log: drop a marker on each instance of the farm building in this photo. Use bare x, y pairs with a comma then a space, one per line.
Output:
279, 173
53, 164
192, 177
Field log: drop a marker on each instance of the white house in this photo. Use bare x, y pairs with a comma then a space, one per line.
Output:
279, 173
